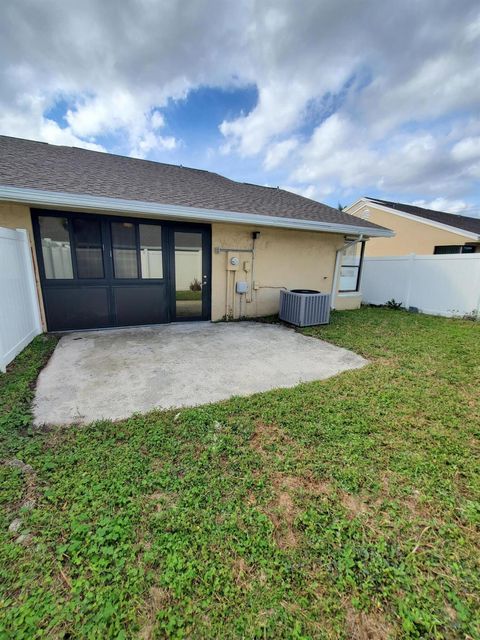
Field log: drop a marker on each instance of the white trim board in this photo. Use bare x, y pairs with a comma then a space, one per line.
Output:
435, 256
38, 197
359, 204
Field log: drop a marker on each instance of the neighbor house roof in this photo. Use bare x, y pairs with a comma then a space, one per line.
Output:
464, 223
31, 170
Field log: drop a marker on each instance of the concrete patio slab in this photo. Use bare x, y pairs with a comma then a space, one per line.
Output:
115, 373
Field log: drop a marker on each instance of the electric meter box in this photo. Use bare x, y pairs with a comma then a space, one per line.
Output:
242, 287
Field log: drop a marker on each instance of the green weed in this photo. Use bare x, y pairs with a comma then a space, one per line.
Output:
342, 508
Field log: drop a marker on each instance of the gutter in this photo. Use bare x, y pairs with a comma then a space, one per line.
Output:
59, 199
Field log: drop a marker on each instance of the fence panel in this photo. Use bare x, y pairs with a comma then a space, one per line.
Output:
19, 311
446, 285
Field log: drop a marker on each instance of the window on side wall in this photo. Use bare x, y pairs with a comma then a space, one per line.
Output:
351, 268
454, 248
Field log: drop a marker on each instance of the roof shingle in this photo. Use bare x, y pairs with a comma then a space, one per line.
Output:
466, 223
38, 165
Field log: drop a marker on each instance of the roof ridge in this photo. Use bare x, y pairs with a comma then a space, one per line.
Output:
417, 206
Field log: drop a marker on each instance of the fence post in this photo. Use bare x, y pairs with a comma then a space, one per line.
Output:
20, 319
411, 269
30, 273
477, 310
3, 363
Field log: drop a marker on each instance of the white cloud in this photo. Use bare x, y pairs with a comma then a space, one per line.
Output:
467, 149
446, 204
120, 111
311, 191
378, 95
396, 123
27, 120
115, 64
277, 153
340, 153
149, 142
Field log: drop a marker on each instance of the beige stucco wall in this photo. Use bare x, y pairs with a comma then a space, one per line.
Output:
283, 258
411, 236
17, 216
348, 301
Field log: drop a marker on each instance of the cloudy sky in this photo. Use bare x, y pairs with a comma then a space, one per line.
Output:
334, 99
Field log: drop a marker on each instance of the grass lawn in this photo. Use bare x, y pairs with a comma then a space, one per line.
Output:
347, 508
188, 295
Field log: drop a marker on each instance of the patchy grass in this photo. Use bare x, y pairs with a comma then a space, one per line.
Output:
188, 295
342, 508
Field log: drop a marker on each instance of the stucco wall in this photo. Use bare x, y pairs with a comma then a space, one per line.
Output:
17, 216
283, 258
411, 236
348, 301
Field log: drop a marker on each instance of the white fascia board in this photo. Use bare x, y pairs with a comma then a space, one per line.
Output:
355, 206
410, 216
38, 197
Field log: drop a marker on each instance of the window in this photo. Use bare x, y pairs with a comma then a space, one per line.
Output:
151, 250
124, 246
88, 248
351, 267
454, 248
56, 251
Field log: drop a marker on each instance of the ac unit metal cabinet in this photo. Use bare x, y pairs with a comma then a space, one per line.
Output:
304, 308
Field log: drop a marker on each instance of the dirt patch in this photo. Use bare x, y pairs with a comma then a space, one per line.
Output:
265, 435
354, 504
367, 626
243, 574
451, 613
158, 599
251, 499
163, 500
157, 465
281, 511
385, 361
394, 489
416, 505
30, 490
308, 485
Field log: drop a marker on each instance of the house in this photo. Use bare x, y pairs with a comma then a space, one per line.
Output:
417, 230
119, 241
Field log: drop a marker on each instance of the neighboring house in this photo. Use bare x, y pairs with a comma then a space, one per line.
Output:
417, 230
119, 241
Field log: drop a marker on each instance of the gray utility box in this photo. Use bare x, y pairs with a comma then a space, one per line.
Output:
304, 307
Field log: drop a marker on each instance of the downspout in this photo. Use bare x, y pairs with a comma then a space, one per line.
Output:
347, 245
252, 274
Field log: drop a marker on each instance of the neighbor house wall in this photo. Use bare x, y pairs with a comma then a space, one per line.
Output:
17, 216
410, 236
283, 258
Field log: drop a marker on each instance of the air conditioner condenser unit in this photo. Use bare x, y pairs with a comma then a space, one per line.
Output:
304, 307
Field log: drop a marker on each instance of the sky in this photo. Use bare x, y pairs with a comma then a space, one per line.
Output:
332, 99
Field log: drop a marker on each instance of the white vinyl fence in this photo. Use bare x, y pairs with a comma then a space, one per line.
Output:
445, 285
19, 312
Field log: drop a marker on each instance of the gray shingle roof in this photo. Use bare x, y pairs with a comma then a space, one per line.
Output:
466, 223
37, 165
